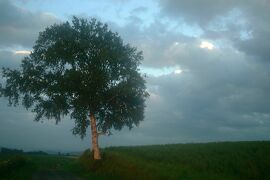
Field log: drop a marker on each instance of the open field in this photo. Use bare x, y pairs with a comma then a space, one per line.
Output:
226, 160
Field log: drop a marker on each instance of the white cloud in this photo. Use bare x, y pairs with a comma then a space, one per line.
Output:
24, 52
206, 45
178, 71
157, 72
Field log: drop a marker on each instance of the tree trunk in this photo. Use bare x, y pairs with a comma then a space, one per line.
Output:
94, 132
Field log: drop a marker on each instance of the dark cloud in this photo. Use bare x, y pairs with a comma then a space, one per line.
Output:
246, 23
19, 27
258, 46
222, 94
211, 104
156, 41
140, 9
194, 11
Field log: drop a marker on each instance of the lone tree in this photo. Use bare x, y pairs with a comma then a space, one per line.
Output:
82, 70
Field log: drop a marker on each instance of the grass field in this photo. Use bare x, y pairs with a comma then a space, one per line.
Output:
226, 160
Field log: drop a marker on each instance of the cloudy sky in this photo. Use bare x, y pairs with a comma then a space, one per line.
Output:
207, 64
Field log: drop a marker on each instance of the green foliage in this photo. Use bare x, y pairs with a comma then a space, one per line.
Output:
77, 68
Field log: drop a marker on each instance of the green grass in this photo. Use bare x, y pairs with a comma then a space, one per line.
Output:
227, 160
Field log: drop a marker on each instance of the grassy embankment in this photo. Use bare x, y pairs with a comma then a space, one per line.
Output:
228, 160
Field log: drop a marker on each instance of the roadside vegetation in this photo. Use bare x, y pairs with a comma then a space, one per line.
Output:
226, 160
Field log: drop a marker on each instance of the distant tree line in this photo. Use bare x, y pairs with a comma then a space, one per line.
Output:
17, 151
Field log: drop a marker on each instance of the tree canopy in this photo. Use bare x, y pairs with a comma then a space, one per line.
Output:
77, 69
